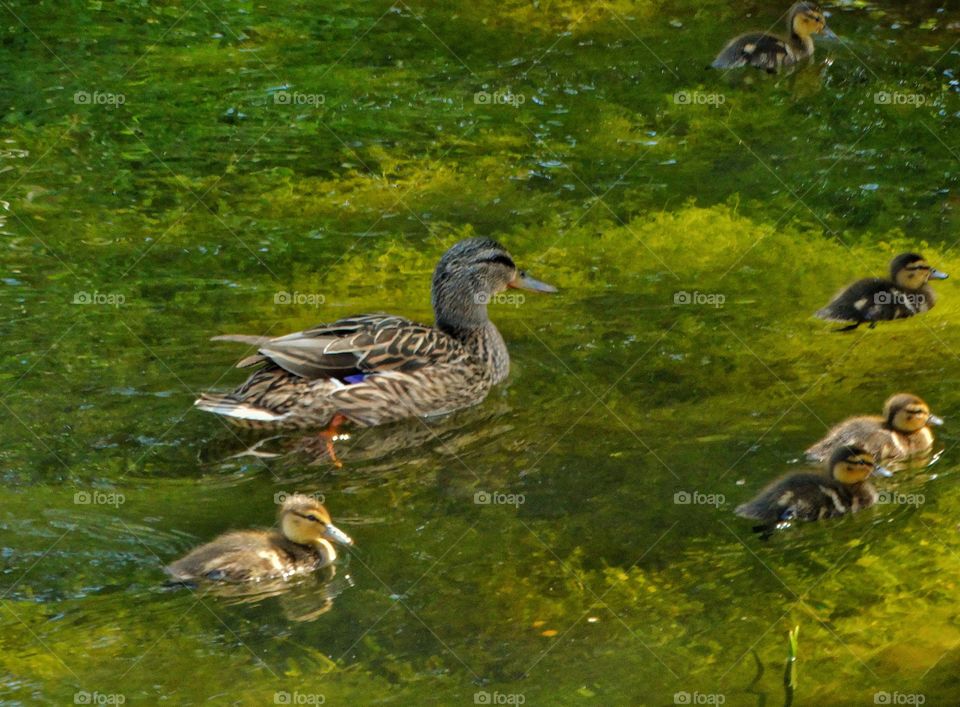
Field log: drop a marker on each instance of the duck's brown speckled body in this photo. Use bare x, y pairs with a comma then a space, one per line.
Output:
377, 368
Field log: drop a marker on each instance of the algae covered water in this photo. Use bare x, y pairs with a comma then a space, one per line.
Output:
170, 171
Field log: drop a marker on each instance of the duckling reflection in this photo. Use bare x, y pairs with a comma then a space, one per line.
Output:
303, 544
874, 299
771, 53
809, 496
901, 433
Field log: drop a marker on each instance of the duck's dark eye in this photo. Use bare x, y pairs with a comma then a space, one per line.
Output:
313, 518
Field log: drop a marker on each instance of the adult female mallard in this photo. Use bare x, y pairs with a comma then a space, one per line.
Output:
302, 545
376, 368
771, 53
874, 299
901, 433
806, 496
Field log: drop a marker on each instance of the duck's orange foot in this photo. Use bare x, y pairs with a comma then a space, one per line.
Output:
330, 435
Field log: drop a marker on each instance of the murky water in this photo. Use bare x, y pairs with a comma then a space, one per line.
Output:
171, 171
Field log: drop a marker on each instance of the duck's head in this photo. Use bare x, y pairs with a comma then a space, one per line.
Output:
907, 413
305, 521
806, 18
911, 271
851, 464
469, 276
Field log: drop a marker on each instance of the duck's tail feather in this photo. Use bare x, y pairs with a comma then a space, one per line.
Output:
228, 406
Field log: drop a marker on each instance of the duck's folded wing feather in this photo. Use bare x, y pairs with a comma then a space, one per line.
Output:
356, 345
764, 51
866, 300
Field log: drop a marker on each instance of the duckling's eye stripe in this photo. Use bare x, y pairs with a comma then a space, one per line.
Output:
917, 267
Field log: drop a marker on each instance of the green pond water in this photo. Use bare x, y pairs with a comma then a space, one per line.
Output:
174, 170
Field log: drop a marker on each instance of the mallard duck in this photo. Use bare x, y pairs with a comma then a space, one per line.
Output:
874, 299
303, 544
376, 368
769, 52
902, 432
809, 496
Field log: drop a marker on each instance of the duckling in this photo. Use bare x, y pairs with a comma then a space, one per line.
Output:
874, 299
902, 432
807, 496
769, 52
302, 545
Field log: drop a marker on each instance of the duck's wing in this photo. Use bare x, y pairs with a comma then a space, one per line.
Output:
764, 51
354, 346
864, 431
797, 496
868, 300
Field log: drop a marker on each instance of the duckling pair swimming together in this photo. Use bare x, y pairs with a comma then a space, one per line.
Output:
772, 53
874, 299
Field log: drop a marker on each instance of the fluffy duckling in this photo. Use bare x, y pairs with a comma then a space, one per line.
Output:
769, 52
303, 544
874, 299
806, 496
902, 432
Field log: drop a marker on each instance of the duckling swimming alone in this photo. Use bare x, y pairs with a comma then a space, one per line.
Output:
807, 496
303, 544
376, 368
769, 52
902, 432
874, 299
